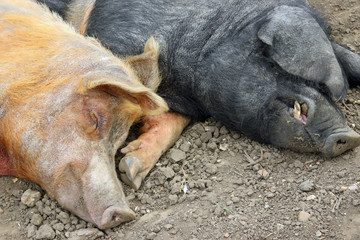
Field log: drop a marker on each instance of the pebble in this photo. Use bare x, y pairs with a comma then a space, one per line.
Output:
298, 164
223, 130
177, 155
86, 234
280, 227
31, 231
151, 236
36, 219
341, 174
356, 202
318, 234
47, 211
205, 137
211, 168
168, 226
263, 173
303, 216
173, 199
167, 172
311, 197
59, 226
63, 217
212, 146
224, 146
1, 211
45, 232
185, 146
30, 197
307, 186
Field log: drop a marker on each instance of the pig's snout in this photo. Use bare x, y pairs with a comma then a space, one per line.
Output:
115, 215
341, 141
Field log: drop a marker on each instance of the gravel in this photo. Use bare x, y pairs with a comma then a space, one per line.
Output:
205, 187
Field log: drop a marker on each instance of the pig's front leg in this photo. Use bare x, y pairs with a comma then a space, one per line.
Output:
158, 134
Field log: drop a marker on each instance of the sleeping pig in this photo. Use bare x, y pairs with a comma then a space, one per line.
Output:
66, 105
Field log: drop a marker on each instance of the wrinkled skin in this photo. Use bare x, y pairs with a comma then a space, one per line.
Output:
66, 106
246, 63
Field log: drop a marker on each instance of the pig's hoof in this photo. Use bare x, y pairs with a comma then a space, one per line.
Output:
134, 184
129, 167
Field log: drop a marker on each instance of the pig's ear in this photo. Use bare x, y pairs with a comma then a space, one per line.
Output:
145, 65
149, 101
298, 44
78, 13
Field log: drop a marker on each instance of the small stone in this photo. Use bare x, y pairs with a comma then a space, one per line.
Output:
303, 216
86, 234
177, 155
36, 219
59, 226
168, 227
263, 173
224, 146
223, 130
267, 155
318, 234
205, 137
353, 187
211, 168
30, 197
31, 231
185, 147
270, 195
311, 197
167, 172
212, 146
47, 211
226, 235
151, 236
298, 164
1, 211
341, 174
307, 186
173, 199
156, 229
280, 227
249, 192
356, 202
63, 217
45, 232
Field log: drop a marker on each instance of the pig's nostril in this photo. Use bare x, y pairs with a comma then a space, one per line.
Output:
341, 142
115, 217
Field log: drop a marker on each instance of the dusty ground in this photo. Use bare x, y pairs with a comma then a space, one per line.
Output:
227, 196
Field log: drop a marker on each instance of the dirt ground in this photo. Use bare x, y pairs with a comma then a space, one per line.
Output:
216, 184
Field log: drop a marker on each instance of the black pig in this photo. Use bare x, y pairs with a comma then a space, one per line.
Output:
265, 68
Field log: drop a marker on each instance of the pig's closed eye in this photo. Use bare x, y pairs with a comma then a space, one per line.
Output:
95, 120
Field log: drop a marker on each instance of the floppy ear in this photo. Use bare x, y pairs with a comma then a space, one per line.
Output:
78, 13
121, 84
298, 44
349, 61
146, 64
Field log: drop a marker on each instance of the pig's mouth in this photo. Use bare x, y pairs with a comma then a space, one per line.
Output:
300, 111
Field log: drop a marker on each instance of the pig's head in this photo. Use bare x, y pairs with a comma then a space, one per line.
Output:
64, 135
305, 120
